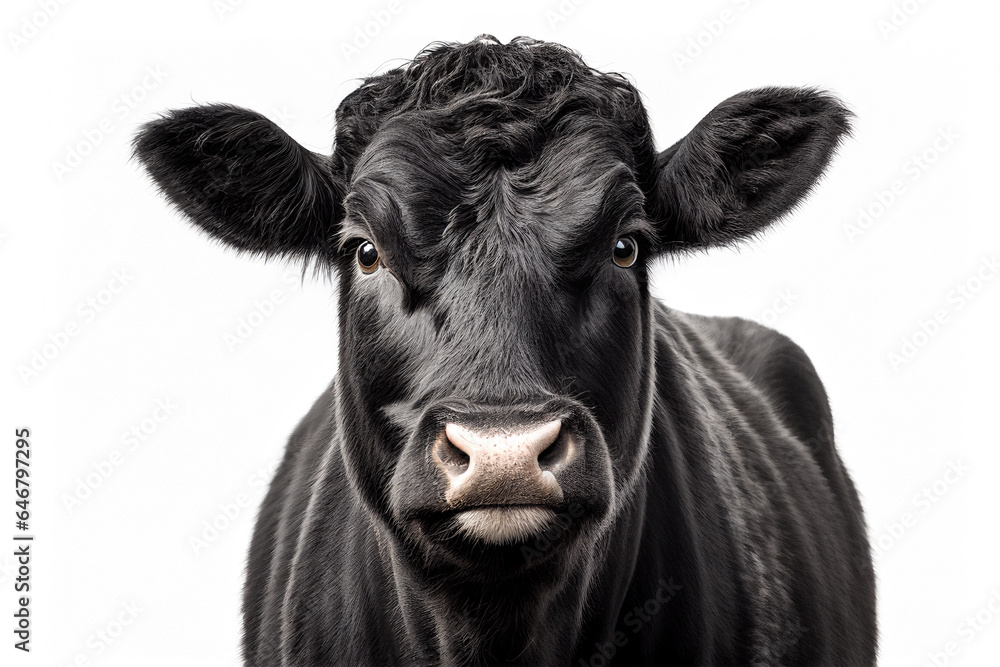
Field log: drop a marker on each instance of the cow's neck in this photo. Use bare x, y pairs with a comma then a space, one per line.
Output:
528, 621
456, 629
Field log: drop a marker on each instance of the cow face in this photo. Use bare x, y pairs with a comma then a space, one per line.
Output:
490, 212
496, 326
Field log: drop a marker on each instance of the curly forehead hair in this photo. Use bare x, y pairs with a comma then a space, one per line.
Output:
500, 101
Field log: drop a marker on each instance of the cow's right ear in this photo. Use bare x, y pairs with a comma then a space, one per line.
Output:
243, 180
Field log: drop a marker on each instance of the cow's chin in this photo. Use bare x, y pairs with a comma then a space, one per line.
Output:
504, 525
488, 544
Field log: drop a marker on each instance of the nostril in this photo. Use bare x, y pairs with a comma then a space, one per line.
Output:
506, 462
449, 454
512, 451
556, 454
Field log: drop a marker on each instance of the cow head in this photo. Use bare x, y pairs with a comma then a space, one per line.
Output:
491, 212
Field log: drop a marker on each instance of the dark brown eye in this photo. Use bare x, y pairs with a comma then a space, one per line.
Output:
626, 252
368, 257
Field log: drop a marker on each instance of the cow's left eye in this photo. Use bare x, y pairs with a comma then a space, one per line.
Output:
626, 252
368, 256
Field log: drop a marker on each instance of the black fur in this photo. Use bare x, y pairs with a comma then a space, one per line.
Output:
240, 178
749, 162
709, 521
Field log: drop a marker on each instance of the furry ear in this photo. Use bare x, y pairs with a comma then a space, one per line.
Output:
243, 180
746, 164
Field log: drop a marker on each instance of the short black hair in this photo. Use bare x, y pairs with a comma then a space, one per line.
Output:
504, 100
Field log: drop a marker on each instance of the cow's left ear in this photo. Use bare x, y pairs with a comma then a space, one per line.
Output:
746, 164
243, 180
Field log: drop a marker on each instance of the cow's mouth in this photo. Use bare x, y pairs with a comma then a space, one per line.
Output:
504, 524
498, 542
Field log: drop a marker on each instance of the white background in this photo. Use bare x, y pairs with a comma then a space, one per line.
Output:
849, 300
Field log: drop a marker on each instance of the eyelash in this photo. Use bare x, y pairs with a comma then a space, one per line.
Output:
349, 246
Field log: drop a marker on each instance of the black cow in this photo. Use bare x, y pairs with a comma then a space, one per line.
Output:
524, 458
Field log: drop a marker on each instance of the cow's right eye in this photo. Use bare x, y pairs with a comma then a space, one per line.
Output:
368, 256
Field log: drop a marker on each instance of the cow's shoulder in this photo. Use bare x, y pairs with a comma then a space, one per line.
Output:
780, 372
777, 367
276, 531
